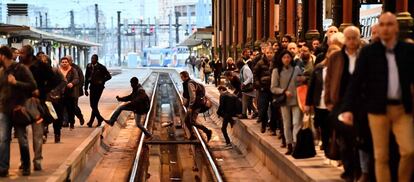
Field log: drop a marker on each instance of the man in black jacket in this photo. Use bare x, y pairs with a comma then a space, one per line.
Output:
138, 102
262, 77
16, 85
46, 81
384, 74
227, 109
96, 75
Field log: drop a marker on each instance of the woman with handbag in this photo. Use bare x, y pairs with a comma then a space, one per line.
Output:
283, 84
247, 89
71, 93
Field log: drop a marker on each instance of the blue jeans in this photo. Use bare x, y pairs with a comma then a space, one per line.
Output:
5, 139
23, 146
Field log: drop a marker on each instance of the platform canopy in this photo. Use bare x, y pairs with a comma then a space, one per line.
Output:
33, 33
197, 38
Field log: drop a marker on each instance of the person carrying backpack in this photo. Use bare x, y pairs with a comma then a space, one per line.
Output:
138, 102
230, 106
194, 97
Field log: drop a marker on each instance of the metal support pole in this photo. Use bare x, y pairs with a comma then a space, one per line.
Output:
119, 37
142, 36
97, 24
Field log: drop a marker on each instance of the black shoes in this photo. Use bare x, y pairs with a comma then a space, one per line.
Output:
65, 124
255, 115
26, 172
99, 123
89, 124
81, 121
243, 116
57, 138
263, 130
72, 126
37, 166
44, 138
209, 133
289, 149
4, 173
108, 122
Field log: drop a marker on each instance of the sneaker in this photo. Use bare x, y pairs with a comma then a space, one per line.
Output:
166, 124
273, 133
209, 133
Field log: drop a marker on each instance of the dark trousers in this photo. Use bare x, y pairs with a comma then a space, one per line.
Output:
265, 98
77, 111
217, 78
69, 105
226, 121
191, 120
321, 121
94, 96
276, 120
57, 125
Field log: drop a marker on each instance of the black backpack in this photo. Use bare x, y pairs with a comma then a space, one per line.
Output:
202, 102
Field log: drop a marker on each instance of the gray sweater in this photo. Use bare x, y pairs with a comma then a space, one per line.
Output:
278, 83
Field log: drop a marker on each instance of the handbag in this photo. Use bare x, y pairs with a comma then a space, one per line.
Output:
248, 88
28, 113
280, 99
305, 146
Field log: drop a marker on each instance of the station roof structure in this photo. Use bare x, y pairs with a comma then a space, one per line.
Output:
197, 37
30, 32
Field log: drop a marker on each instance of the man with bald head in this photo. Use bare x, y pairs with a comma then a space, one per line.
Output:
321, 51
341, 66
374, 32
384, 75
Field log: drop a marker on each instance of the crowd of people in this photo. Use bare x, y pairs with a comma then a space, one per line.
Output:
27, 77
358, 93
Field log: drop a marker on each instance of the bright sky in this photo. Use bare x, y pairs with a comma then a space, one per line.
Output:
84, 10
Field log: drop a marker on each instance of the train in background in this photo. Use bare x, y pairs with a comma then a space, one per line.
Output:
164, 57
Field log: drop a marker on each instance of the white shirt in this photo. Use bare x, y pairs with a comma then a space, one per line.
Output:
352, 61
394, 88
322, 104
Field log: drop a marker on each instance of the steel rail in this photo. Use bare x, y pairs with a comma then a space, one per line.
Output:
141, 140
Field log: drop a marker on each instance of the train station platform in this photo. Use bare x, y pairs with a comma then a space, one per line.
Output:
61, 159
263, 151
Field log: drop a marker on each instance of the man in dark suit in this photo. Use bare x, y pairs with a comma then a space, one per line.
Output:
384, 74
96, 75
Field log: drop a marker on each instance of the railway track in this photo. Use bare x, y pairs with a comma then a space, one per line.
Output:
168, 155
